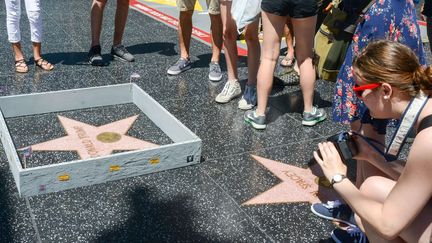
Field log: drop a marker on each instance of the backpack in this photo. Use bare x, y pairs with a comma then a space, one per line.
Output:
333, 39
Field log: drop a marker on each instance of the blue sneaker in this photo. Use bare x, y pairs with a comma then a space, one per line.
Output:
352, 234
336, 211
249, 98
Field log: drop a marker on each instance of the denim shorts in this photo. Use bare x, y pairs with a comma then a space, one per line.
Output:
292, 8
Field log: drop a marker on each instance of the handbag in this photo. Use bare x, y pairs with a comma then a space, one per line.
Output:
245, 12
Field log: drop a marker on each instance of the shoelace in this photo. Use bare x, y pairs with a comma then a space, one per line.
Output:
356, 232
332, 204
182, 62
213, 67
225, 89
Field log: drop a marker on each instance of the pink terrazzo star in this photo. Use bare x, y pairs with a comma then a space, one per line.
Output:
91, 142
298, 184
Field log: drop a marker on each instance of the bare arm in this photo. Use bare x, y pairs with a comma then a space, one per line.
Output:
411, 193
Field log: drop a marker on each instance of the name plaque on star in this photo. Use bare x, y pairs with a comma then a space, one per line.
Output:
94, 141
117, 149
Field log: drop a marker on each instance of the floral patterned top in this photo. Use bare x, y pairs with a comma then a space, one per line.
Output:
386, 19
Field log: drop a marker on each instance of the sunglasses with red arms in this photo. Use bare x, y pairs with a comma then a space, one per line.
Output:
360, 89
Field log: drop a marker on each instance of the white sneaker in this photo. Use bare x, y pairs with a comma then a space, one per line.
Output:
230, 91
249, 98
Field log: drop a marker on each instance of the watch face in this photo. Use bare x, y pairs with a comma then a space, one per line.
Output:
337, 178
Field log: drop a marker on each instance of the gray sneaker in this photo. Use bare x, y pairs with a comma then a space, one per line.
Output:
180, 66
120, 52
215, 72
312, 118
257, 122
249, 98
230, 91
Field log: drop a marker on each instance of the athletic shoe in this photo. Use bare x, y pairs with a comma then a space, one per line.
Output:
352, 234
94, 56
230, 91
215, 72
120, 52
257, 122
180, 66
249, 98
312, 118
334, 210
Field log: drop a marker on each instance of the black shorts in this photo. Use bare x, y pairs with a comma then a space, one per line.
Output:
292, 8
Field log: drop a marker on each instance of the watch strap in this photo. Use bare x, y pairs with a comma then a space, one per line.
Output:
333, 181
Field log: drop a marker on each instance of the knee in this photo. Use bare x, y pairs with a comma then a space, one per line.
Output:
186, 15
100, 3
229, 33
368, 187
13, 13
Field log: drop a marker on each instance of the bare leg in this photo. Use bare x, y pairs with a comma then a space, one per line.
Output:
229, 40
185, 32
304, 31
17, 50
120, 20
378, 188
289, 39
97, 9
216, 36
273, 31
36, 50
254, 52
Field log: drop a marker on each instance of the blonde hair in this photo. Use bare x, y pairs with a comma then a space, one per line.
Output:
390, 62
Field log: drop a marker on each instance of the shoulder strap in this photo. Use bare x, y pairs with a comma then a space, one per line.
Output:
352, 27
425, 123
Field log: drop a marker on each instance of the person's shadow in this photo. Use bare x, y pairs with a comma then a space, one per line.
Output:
6, 231
154, 220
81, 58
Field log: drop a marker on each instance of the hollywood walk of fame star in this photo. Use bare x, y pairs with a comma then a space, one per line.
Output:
91, 141
298, 184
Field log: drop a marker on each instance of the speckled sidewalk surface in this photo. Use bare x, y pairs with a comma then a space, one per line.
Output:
201, 203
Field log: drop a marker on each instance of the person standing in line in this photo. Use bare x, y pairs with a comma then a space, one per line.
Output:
232, 88
303, 16
13, 15
186, 8
289, 59
117, 50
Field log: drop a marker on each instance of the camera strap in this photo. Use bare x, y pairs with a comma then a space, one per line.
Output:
406, 124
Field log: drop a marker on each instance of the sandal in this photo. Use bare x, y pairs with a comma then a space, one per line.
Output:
287, 61
21, 66
44, 64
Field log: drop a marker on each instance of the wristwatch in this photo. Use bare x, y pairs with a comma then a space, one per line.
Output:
337, 178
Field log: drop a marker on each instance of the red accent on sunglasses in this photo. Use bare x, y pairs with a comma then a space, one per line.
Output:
359, 89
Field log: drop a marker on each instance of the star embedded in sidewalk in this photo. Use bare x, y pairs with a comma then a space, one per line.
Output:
298, 184
91, 142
